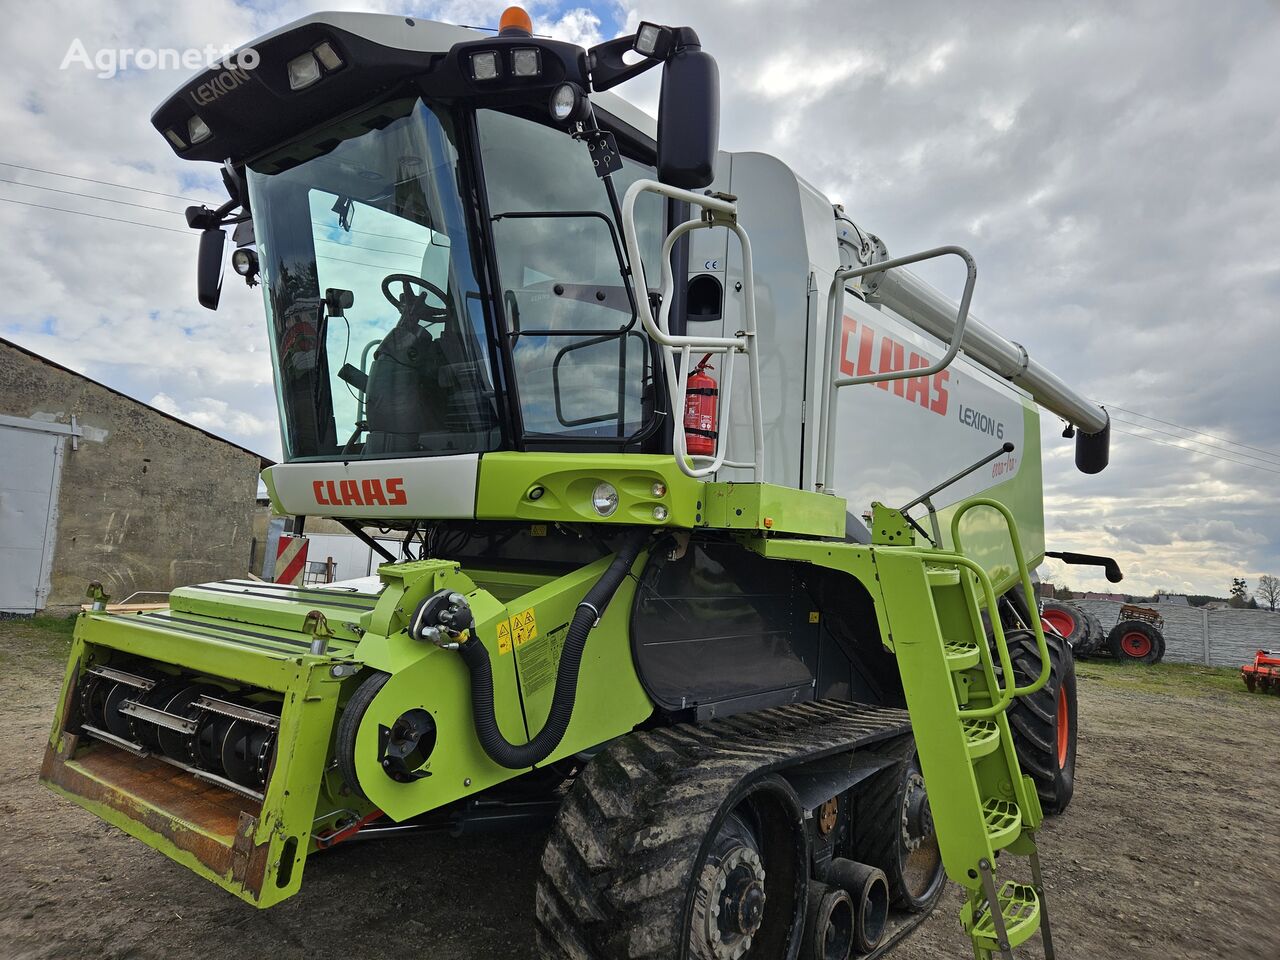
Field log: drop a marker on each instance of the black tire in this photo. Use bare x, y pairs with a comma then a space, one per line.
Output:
1133, 641
349, 723
1043, 735
1066, 618
1094, 637
909, 856
621, 868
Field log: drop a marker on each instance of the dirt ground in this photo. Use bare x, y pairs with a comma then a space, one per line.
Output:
1170, 850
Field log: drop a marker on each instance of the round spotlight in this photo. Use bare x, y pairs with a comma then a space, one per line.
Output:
604, 499
245, 262
568, 103
659, 489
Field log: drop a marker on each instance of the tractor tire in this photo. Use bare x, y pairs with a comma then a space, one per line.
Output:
899, 839
1095, 636
1044, 723
1132, 641
1068, 619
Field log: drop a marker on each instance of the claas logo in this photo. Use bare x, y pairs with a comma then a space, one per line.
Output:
860, 352
360, 493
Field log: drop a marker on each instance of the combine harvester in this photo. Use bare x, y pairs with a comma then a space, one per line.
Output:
626, 398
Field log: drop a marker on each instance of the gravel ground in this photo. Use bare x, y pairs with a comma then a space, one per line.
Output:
1169, 850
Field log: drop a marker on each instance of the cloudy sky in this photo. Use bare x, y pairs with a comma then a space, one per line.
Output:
1114, 168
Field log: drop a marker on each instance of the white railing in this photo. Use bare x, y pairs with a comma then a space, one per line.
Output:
717, 211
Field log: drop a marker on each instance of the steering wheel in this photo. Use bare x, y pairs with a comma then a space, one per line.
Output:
408, 300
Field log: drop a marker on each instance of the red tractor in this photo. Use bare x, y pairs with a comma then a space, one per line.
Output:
1263, 673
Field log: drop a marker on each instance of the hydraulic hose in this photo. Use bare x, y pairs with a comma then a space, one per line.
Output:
476, 656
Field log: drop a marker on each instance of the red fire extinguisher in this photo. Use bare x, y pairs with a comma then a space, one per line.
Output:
701, 401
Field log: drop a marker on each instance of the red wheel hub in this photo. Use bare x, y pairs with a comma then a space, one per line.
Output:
1064, 729
1136, 644
1061, 621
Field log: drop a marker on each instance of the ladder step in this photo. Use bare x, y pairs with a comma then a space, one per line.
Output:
1004, 822
961, 654
1020, 908
981, 736
942, 576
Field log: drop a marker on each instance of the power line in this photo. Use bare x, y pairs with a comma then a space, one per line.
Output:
1166, 443
105, 183
1170, 423
90, 196
96, 216
1200, 443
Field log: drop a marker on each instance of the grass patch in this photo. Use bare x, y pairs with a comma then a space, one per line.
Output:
1182, 679
46, 636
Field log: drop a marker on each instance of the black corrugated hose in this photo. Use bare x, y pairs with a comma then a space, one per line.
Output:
476, 656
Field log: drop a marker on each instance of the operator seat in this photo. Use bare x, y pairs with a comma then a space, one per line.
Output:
404, 398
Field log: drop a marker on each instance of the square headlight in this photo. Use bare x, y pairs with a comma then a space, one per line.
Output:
484, 66
526, 62
303, 71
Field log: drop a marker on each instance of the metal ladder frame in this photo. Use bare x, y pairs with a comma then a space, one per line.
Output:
717, 211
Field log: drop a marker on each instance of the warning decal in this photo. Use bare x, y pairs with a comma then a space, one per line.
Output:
540, 658
524, 627
504, 636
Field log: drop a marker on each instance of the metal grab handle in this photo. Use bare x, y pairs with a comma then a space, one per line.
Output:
1042, 646
835, 320
717, 212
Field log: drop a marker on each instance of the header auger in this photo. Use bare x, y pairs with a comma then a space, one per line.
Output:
761, 722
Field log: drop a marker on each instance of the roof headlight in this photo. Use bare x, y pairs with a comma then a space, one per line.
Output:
484, 66
303, 71
526, 62
328, 57
198, 130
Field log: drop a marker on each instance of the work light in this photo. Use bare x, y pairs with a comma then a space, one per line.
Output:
652, 40
526, 62
303, 71
198, 130
244, 262
484, 66
567, 103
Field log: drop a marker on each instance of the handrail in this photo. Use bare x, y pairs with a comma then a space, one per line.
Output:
835, 321
1000, 699
717, 211
1042, 646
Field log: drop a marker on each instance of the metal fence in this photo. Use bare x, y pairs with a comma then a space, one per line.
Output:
1219, 638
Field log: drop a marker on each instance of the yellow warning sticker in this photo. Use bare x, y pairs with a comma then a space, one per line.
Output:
538, 530
504, 636
813, 616
524, 627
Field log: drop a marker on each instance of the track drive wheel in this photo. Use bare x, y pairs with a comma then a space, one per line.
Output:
1132, 641
1044, 723
895, 832
632, 874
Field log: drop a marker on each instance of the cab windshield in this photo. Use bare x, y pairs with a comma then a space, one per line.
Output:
373, 264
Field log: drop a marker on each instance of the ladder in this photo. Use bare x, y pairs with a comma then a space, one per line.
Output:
981, 802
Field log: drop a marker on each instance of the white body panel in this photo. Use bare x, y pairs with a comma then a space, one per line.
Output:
407, 488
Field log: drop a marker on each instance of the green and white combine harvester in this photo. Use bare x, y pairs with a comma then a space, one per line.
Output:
635, 406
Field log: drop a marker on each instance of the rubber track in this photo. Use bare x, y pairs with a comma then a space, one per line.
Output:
879, 833
617, 866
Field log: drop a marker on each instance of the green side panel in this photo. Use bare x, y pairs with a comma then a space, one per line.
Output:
546, 487
269, 482
611, 700
767, 506
986, 539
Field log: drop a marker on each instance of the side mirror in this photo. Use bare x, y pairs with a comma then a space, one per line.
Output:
213, 243
689, 119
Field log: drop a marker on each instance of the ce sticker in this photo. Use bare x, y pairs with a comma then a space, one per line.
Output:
711, 265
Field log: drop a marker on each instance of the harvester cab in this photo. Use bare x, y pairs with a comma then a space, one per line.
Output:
624, 398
